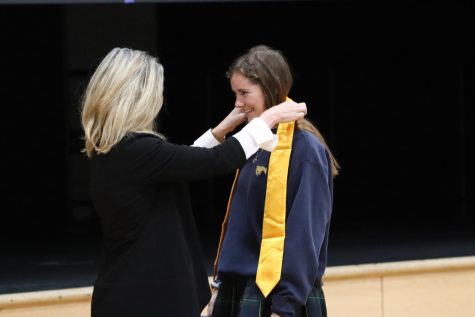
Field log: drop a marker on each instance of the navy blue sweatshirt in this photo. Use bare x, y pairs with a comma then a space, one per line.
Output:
309, 207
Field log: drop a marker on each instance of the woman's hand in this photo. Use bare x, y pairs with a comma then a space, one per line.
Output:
232, 120
286, 111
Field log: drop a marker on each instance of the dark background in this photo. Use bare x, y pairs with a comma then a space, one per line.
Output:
391, 87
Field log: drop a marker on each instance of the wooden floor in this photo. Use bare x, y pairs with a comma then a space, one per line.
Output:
435, 288
432, 288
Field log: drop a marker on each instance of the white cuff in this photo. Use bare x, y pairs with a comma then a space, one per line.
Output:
206, 140
259, 130
256, 134
269, 146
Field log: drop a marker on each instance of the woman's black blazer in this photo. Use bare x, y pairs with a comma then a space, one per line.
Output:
152, 263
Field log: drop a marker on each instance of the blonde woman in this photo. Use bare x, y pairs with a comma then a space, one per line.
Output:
151, 264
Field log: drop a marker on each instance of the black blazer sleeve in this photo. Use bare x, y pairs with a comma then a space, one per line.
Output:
151, 159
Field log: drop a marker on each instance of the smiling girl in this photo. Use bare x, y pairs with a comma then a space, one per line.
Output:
295, 267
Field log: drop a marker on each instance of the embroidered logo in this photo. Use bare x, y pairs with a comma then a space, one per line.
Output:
261, 169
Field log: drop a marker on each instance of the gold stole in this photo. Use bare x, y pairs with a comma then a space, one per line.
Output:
273, 227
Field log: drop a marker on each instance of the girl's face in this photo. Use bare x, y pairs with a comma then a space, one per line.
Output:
249, 96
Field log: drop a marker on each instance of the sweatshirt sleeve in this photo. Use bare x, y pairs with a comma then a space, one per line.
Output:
309, 204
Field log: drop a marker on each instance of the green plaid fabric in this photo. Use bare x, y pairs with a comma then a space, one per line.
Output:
240, 297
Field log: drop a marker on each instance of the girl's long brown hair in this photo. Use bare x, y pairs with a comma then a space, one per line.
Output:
269, 69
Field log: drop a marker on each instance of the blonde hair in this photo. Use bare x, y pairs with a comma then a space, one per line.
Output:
124, 95
268, 68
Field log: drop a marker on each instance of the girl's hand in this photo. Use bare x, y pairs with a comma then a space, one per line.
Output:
214, 294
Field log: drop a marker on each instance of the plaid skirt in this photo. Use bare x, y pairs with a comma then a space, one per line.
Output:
240, 297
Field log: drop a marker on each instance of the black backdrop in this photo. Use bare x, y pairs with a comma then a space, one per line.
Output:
390, 87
